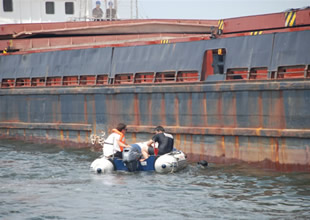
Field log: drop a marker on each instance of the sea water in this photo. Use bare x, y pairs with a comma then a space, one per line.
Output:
43, 181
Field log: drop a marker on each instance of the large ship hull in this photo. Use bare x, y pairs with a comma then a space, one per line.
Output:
256, 122
234, 98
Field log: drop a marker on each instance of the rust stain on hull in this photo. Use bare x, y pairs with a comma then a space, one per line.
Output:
264, 164
189, 113
221, 129
85, 110
93, 113
177, 112
260, 109
61, 135
149, 108
163, 110
136, 109
202, 151
79, 137
196, 149
177, 141
236, 155
87, 137
205, 113
223, 146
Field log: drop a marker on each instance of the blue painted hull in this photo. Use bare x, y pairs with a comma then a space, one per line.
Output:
147, 165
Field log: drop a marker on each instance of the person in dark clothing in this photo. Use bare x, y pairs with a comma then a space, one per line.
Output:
165, 143
97, 12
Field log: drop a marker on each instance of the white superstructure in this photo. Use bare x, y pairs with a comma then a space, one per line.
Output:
38, 11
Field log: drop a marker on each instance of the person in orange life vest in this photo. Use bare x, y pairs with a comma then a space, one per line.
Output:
114, 144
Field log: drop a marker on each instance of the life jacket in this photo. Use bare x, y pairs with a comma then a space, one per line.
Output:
121, 139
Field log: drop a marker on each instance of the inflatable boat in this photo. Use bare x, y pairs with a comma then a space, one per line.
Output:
167, 163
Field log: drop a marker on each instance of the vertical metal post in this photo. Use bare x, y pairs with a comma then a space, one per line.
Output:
248, 74
137, 14
306, 71
110, 13
115, 6
106, 7
131, 9
110, 9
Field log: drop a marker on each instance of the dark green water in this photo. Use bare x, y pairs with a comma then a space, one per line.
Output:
49, 182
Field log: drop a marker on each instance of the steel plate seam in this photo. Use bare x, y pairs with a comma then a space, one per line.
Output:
197, 87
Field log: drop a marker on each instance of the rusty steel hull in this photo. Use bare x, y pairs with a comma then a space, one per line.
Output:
258, 122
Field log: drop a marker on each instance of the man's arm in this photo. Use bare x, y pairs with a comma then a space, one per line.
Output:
149, 143
121, 144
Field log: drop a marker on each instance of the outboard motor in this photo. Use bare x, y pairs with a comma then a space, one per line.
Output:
131, 158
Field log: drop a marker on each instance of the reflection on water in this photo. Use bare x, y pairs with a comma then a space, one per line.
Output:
49, 182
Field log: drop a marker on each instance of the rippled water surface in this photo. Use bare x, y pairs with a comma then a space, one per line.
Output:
49, 182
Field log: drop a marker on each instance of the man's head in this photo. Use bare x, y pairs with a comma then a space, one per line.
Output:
122, 128
159, 129
98, 3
